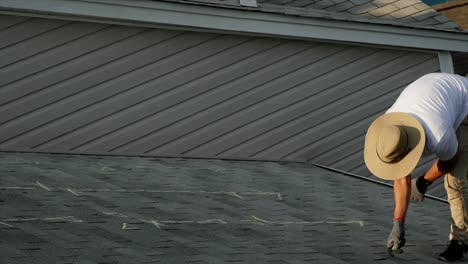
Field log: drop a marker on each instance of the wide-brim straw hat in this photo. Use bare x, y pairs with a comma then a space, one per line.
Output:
394, 145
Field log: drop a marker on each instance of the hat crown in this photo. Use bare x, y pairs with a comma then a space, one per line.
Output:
393, 152
392, 143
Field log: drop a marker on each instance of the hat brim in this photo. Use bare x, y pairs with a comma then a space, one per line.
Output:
416, 142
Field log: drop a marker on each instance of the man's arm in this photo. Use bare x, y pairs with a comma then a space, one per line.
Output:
402, 186
402, 190
440, 168
437, 170
402, 193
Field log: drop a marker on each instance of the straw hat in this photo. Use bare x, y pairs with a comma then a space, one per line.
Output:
394, 144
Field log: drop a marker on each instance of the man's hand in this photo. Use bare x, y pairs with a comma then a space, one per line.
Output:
419, 188
396, 239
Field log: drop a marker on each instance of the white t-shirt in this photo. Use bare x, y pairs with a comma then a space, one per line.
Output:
440, 102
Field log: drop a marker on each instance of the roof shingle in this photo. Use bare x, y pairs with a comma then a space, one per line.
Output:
370, 11
109, 209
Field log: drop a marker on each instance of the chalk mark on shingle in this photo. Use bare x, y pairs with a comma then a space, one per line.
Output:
43, 186
116, 214
127, 226
212, 221
256, 220
153, 222
74, 192
69, 219
85, 191
235, 195
4, 188
5, 224
278, 195
162, 223
259, 221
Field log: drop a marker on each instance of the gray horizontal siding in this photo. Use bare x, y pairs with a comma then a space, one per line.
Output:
85, 87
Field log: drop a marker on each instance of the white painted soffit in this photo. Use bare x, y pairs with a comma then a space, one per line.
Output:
156, 13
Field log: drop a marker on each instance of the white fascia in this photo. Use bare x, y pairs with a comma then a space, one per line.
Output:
229, 20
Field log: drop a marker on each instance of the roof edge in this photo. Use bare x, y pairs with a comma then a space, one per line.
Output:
449, 5
168, 14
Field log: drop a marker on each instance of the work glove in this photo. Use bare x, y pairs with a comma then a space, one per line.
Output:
396, 239
419, 188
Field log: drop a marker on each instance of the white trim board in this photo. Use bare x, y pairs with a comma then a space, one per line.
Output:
157, 14
446, 62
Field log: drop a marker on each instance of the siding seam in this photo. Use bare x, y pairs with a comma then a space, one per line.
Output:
14, 25
246, 107
317, 139
109, 97
70, 77
38, 34
228, 99
81, 91
280, 109
190, 98
159, 94
312, 110
126, 90
47, 50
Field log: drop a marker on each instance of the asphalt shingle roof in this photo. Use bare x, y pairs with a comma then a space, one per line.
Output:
408, 13
109, 209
